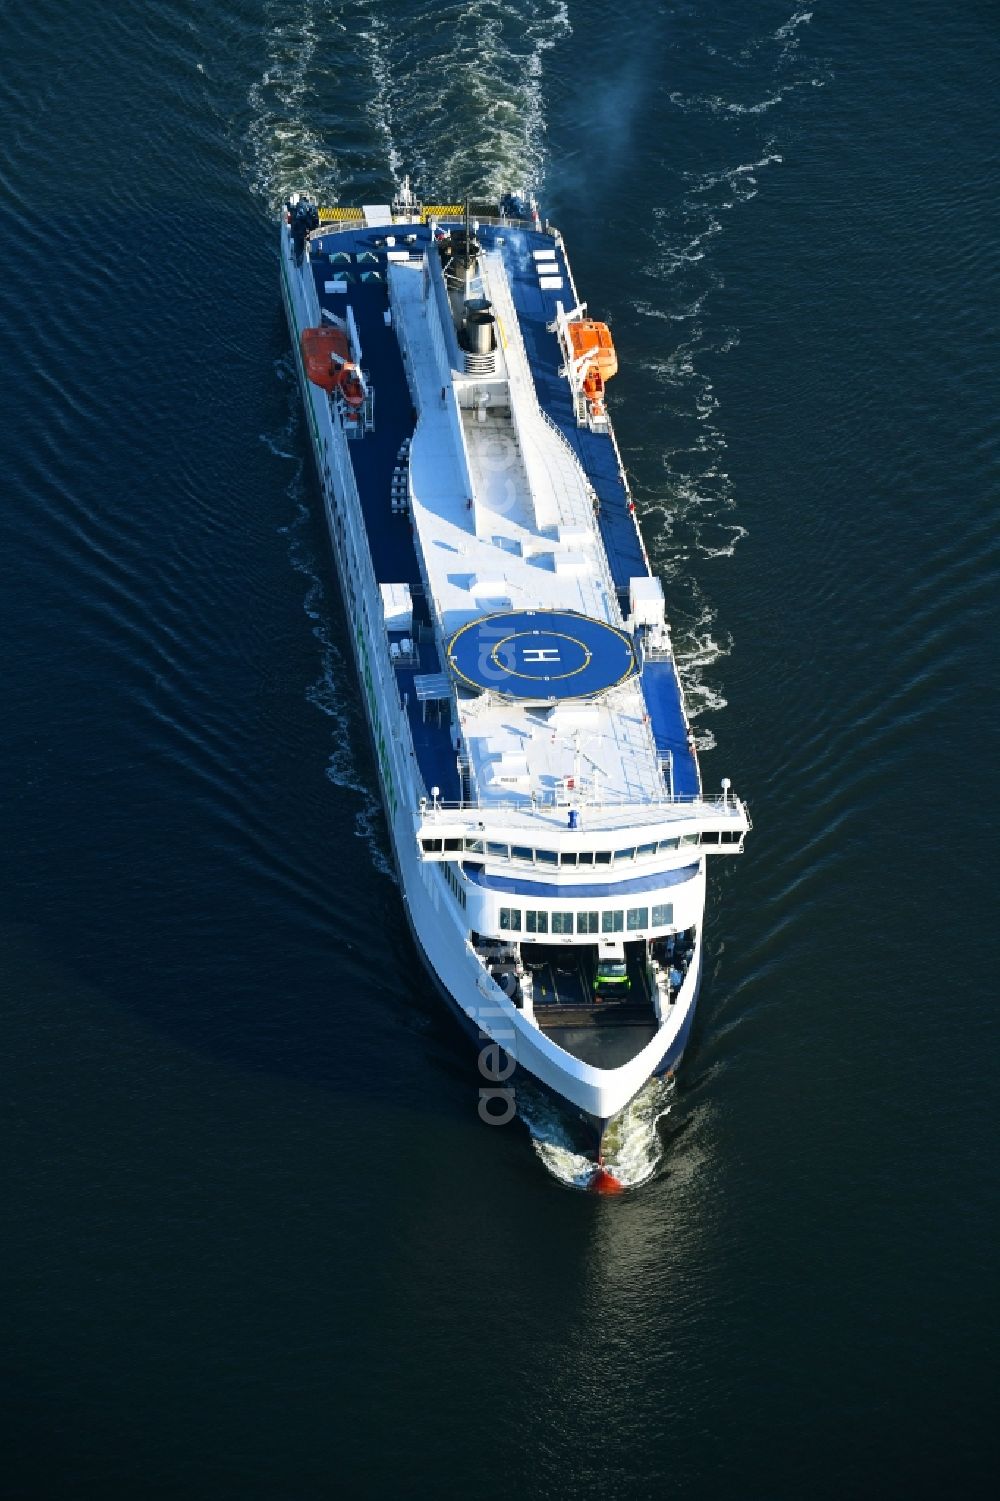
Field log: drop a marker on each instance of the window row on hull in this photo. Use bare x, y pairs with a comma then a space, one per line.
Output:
619, 920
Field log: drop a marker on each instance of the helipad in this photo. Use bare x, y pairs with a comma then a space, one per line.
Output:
540, 655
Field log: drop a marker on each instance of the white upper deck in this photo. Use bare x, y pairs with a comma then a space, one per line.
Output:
504, 518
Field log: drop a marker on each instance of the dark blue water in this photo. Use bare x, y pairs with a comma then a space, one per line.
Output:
258, 1243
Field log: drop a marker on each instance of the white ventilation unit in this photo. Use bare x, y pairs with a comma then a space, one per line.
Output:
509, 772
397, 607
571, 564
645, 598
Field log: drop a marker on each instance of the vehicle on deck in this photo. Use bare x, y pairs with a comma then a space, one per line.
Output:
611, 976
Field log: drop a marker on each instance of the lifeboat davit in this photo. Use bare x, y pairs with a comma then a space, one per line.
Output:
326, 354
593, 390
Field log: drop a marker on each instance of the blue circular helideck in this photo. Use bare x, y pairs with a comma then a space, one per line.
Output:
541, 655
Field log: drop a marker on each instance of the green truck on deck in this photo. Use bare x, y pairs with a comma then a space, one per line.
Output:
611, 978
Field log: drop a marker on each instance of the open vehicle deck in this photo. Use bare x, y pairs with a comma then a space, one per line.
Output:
605, 1031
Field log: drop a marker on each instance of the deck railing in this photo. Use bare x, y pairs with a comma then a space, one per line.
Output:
727, 803
608, 814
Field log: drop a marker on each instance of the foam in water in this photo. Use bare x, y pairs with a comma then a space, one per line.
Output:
716, 104
780, 49
454, 95
286, 154
633, 1148
697, 501
458, 97
368, 826
787, 31
740, 180
380, 108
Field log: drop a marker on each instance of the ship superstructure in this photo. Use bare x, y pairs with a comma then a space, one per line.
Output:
538, 771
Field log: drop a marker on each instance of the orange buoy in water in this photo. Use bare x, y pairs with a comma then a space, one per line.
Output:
604, 1182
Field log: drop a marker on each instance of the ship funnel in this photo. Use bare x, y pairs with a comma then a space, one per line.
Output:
479, 326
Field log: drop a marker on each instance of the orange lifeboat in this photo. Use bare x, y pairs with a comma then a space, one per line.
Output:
326, 354
588, 337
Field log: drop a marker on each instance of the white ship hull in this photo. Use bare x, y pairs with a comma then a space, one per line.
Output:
444, 928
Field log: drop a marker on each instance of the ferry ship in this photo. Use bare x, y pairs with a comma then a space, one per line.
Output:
538, 771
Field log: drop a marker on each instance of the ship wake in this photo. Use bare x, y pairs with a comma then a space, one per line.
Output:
457, 95
633, 1143
451, 94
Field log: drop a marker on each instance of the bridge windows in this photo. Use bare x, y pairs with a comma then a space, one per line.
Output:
538, 923
577, 859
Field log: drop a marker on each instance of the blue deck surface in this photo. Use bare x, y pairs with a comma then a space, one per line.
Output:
436, 756
374, 459
666, 717
535, 309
